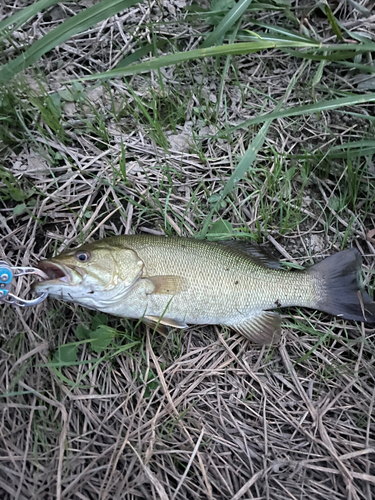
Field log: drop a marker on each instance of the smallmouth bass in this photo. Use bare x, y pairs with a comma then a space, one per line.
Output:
178, 282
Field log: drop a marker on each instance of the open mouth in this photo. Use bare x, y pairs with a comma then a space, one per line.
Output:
54, 272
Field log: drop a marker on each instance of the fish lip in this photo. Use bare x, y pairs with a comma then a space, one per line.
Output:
56, 273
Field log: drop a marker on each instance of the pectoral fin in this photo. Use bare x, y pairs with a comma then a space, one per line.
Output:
263, 328
161, 324
167, 285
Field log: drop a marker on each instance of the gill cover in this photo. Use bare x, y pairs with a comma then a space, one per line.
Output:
127, 267
107, 266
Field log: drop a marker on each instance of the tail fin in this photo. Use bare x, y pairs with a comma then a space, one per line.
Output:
342, 294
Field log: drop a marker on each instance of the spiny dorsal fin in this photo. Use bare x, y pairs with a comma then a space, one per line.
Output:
258, 254
167, 285
262, 328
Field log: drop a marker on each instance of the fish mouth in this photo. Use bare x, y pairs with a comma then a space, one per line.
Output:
56, 273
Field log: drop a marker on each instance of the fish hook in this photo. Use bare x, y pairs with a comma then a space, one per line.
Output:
7, 274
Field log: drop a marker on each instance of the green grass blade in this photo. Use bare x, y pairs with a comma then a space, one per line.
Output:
364, 147
226, 23
21, 17
363, 67
228, 50
154, 123
232, 38
239, 172
318, 74
361, 116
281, 34
139, 53
287, 34
180, 57
363, 10
247, 160
323, 4
364, 46
307, 109
82, 21
270, 37
336, 56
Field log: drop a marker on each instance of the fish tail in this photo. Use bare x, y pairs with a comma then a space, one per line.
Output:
341, 292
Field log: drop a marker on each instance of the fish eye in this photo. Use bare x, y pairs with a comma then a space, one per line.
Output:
83, 256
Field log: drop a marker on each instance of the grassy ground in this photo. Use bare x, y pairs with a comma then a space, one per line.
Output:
99, 407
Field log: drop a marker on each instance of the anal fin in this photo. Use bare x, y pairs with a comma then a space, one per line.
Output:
262, 328
161, 324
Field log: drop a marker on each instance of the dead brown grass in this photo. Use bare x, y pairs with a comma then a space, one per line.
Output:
205, 415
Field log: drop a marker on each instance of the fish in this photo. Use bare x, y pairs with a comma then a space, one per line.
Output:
176, 282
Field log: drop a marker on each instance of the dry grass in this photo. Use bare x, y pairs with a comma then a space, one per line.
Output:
203, 415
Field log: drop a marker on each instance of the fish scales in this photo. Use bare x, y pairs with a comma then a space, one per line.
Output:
174, 282
222, 285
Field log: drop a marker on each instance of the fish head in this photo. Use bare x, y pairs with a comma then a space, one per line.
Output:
92, 275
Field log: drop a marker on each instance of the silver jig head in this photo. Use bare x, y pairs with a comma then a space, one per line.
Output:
7, 274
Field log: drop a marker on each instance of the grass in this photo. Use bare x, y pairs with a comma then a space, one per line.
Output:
234, 120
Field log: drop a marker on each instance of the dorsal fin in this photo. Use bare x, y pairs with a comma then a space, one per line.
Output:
258, 254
